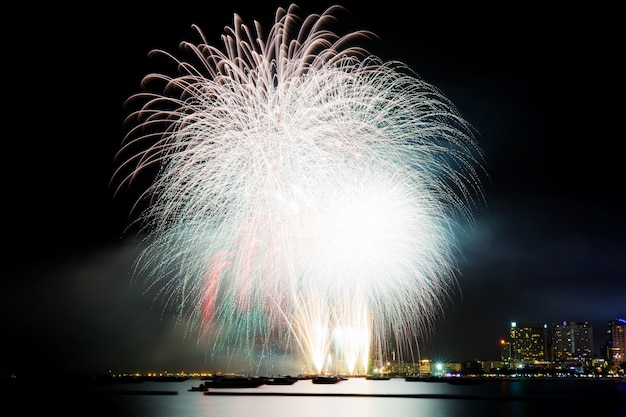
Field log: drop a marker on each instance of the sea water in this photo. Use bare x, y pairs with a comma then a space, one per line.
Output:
351, 397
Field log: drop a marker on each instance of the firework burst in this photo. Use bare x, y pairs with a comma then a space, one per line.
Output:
308, 194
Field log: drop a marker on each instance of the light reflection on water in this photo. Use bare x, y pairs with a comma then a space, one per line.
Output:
543, 398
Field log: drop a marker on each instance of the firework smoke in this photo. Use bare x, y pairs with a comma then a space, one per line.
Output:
308, 194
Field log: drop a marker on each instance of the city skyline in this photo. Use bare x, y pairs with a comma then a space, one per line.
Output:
547, 246
587, 360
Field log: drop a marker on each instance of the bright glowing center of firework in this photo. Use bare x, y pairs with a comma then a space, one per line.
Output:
358, 230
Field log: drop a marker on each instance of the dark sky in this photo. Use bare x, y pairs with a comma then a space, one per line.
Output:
540, 86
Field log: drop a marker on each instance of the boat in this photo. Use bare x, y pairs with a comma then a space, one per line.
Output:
326, 379
280, 380
200, 387
378, 377
418, 378
233, 381
464, 380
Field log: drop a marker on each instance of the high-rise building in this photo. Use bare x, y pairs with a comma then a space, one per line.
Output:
616, 344
528, 342
505, 352
572, 340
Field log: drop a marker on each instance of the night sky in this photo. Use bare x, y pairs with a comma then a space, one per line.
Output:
540, 87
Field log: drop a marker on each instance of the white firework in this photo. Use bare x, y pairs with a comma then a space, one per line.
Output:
305, 188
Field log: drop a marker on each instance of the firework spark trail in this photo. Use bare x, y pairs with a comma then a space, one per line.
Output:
301, 182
